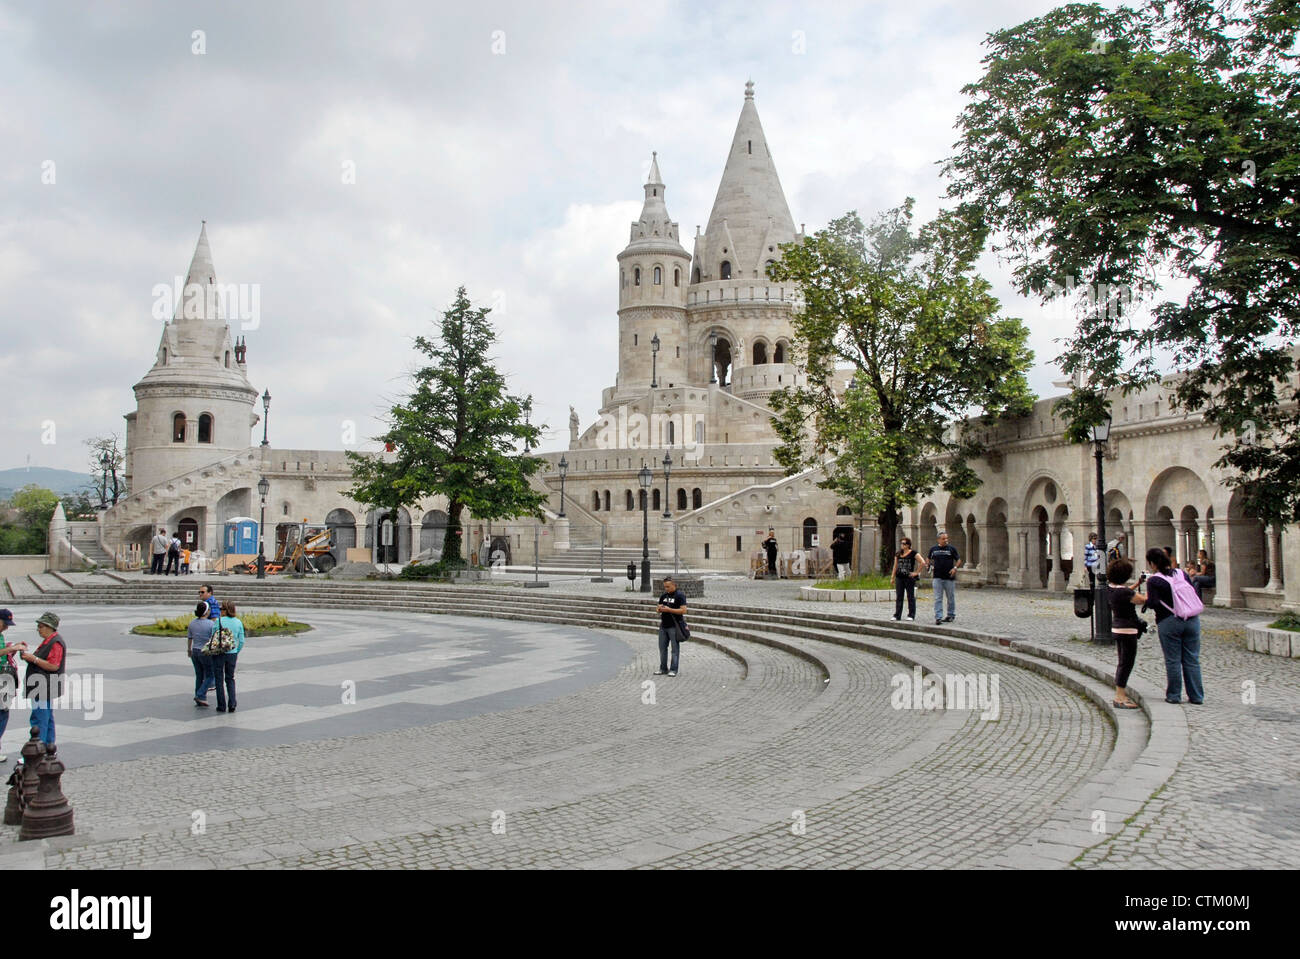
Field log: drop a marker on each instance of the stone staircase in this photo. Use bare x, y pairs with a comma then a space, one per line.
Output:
199, 486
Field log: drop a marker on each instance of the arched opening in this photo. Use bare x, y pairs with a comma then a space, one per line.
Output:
433, 532
697, 498
997, 547
659, 276
954, 524
928, 533
699, 431
809, 531
972, 543
636, 276
724, 272
681, 499
595, 501
722, 361
628, 502
656, 503
778, 355
227, 359
760, 353
640, 499
205, 427
187, 531
695, 275
343, 529
672, 433
1042, 555
767, 268
178, 428
677, 277
164, 356
607, 507
393, 542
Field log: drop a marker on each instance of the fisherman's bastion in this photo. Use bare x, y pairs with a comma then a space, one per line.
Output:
703, 342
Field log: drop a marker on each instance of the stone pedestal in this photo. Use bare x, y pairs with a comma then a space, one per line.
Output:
561, 526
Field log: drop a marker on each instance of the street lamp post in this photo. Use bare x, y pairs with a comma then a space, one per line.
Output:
668, 465
645, 477
266, 414
1100, 435
263, 487
654, 361
564, 471
103, 488
713, 357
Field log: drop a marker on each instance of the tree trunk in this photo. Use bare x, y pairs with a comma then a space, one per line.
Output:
451, 544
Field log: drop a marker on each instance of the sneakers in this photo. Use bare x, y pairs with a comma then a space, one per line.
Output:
950, 618
4, 759
938, 622
660, 672
672, 672
200, 702
911, 619
894, 618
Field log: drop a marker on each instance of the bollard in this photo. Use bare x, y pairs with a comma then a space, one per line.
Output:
49, 813
31, 753
14, 801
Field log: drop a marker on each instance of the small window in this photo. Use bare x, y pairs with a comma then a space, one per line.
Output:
205, 427
725, 272
706, 550
681, 498
636, 276
622, 278
634, 339
750, 145
672, 435
595, 501
739, 547
760, 353
778, 355
656, 503
178, 428
640, 500
227, 359
695, 278
606, 499
658, 276
679, 352
628, 501
697, 498
164, 356
677, 277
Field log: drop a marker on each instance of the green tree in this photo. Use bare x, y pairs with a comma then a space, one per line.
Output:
918, 327
28, 532
457, 435
1112, 147
78, 505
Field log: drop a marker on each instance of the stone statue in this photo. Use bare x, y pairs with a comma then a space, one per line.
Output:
573, 426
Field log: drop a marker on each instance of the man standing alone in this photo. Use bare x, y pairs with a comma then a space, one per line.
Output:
944, 561
842, 553
769, 545
159, 546
672, 604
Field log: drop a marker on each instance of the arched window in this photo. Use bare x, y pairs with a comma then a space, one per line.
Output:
697, 498
677, 277
284, 508
695, 278
809, 531
699, 431
681, 498
595, 501
672, 433
725, 272
778, 355
640, 500
164, 356
178, 428
659, 276
636, 276
760, 353
628, 501
205, 427
343, 528
622, 278
227, 359
655, 503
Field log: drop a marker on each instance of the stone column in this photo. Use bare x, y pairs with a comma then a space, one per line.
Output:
1180, 546
1018, 558
1056, 578
1274, 560
1290, 560
1224, 529
561, 525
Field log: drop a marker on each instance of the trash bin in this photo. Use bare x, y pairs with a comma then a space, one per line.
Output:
631, 572
1083, 603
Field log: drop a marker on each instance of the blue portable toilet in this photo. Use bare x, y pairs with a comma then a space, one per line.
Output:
240, 536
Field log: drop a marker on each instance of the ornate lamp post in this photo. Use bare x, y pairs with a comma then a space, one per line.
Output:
645, 477
713, 356
103, 489
564, 471
654, 362
266, 413
1100, 435
668, 465
263, 487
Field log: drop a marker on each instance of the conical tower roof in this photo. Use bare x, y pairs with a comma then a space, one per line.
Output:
750, 214
654, 229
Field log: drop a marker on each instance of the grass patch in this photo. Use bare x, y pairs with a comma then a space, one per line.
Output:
255, 624
870, 581
1288, 621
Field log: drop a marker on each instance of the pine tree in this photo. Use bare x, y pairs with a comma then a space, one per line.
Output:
456, 435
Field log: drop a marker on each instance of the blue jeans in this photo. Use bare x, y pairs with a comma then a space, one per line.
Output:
43, 719
942, 588
665, 634
202, 674
4, 722
1181, 641
223, 672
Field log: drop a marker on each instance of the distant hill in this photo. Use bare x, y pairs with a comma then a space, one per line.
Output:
60, 481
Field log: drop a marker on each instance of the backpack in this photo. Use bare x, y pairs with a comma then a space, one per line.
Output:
1186, 603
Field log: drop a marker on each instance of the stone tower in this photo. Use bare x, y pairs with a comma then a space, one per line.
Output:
195, 405
730, 294
652, 296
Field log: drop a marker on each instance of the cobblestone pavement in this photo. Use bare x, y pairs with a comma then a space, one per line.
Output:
723, 766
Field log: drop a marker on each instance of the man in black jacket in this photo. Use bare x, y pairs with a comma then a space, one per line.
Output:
842, 553
672, 605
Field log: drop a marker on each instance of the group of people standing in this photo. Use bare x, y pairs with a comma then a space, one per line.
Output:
43, 682
213, 642
173, 551
943, 562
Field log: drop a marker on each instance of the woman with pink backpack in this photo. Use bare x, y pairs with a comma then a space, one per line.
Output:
1178, 622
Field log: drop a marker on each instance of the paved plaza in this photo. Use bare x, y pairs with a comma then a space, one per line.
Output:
385, 739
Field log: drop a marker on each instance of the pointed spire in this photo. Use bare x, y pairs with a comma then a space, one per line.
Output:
749, 212
203, 275
654, 227
654, 169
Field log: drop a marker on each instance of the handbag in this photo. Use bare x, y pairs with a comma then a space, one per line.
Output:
222, 641
683, 631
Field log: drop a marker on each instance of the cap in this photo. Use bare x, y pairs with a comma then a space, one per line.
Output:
48, 619
6, 617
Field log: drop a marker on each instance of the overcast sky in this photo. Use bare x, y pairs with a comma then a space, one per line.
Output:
497, 145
